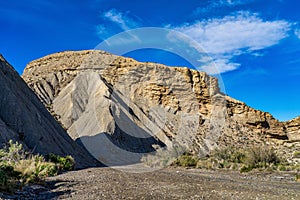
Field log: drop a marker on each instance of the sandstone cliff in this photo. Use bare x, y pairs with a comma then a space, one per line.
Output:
120, 108
24, 118
293, 129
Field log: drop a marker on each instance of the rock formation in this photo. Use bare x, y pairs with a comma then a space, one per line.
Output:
120, 108
25, 119
293, 129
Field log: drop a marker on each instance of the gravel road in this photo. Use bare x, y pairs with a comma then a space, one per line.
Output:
169, 183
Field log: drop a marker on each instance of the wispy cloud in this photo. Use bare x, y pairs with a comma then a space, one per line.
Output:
100, 29
120, 19
212, 5
234, 2
230, 36
257, 54
297, 33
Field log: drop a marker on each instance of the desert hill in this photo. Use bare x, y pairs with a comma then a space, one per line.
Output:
121, 109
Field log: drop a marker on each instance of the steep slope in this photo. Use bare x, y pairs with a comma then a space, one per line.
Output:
24, 118
127, 109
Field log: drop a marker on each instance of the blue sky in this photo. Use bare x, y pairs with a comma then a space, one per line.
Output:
254, 44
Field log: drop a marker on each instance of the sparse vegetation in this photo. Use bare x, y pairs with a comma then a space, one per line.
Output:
64, 163
187, 160
261, 158
296, 154
163, 157
19, 168
297, 178
242, 159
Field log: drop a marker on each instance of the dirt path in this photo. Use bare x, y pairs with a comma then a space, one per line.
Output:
173, 183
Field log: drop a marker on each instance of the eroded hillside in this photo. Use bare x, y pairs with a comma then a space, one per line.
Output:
25, 119
121, 107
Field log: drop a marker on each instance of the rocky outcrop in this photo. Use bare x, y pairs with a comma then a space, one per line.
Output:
24, 118
120, 108
293, 129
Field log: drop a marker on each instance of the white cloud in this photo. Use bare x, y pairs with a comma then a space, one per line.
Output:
219, 66
120, 19
213, 5
234, 2
257, 54
242, 33
232, 33
297, 33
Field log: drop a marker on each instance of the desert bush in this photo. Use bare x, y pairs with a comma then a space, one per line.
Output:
246, 159
18, 168
11, 153
163, 156
243, 159
227, 157
8, 178
296, 154
35, 169
261, 157
64, 163
229, 154
186, 160
297, 177
285, 166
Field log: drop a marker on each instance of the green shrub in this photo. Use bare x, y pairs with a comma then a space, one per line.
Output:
64, 163
297, 177
8, 178
246, 159
35, 169
163, 156
296, 154
12, 153
186, 160
282, 167
18, 168
261, 157
229, 154
243, 159
246, 169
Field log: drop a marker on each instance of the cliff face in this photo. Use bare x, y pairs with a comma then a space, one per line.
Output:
293, 129
24, 118
117, 105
